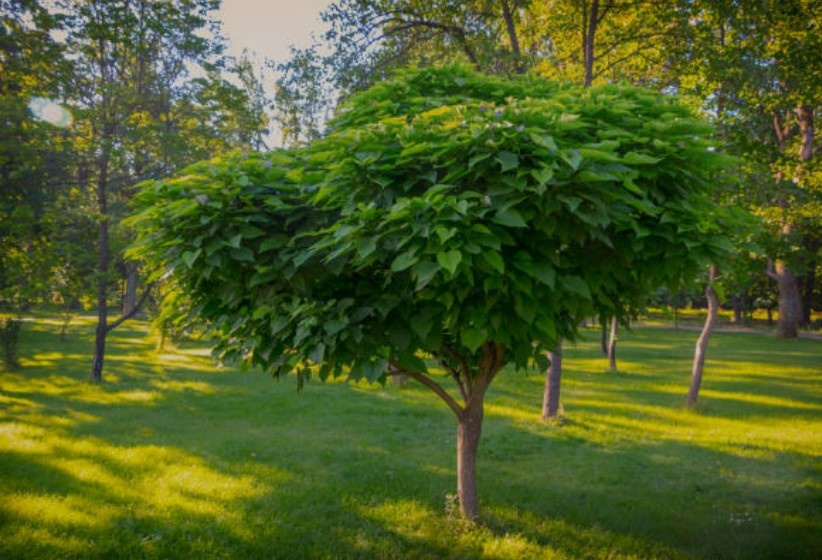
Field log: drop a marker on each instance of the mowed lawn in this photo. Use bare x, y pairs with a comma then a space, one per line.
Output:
173, 457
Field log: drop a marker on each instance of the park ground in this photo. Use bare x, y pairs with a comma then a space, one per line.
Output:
176, 457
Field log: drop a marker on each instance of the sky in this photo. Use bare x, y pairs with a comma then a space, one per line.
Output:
268, 27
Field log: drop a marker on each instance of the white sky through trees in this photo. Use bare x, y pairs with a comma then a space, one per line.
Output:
267, 27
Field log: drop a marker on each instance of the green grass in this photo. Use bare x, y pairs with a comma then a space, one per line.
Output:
175, 458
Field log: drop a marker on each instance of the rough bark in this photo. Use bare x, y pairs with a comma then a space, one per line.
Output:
469, 431
553, 381
612, 344
704, 339
790, 302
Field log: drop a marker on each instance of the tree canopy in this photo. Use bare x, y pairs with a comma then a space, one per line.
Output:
443, 208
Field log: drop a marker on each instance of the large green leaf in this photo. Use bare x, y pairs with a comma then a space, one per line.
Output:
508, 161
449, 260
510, 218
405, 260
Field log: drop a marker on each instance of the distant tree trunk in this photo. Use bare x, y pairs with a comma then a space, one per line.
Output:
790, 302
737, 301
603, 337
553, 381
96, 375
612, 344
513, 39
812, 246
704, 339
589, 34
130, 290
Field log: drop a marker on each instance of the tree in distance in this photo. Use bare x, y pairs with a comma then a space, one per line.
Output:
446, 217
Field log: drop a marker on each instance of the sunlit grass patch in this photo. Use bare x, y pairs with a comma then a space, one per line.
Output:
173, 457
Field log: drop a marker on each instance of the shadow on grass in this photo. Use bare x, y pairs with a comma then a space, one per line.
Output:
172, 458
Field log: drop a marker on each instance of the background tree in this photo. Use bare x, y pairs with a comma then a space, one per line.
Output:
34, 155
446, 215
753, 62
139, 116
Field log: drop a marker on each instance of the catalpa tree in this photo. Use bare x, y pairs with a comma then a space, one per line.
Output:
446, 218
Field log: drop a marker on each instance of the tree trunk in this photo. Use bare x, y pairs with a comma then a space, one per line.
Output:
812, 246
469, 416
130, 290
737, 300
603, 337
511, 28
790, 302
612, 343
704, 339
553, 380
469, 431
590, 29
96, 375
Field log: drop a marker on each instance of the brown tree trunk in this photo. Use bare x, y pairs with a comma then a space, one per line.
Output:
469, 431
553, 381
603, 337
101, 331
469, 416
588, 41
704, 339
130, 290
737, 300
612, 344
511, 28
790, 302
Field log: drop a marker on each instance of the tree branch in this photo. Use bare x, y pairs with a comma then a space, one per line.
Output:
512, 33
132, 312
455, 375
464, 369
453, 30
431, 384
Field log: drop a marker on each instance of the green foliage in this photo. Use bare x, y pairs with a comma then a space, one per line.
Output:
443, 211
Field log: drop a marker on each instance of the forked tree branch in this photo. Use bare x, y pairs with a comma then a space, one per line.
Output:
431, 384
132, 312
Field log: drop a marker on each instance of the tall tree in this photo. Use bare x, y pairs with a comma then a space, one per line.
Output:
129, 56
33, 153
446, 214
755, 62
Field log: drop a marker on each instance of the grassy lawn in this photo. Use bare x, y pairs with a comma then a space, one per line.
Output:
175, 458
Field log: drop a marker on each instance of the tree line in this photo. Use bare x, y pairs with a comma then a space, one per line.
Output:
95, 97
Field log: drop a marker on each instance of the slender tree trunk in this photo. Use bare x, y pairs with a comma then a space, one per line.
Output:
511, 28
612, 344
130, 290
603, 337
96, 375
469, 431
790, 302
588, 43
553, 381
704, 339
